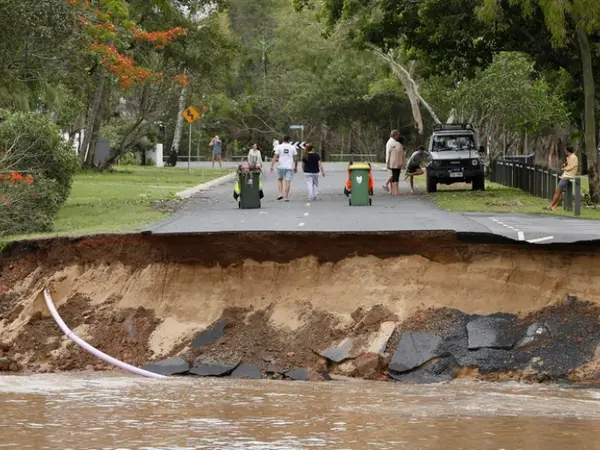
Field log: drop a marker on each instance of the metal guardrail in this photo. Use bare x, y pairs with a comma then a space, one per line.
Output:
537, 180
362, 156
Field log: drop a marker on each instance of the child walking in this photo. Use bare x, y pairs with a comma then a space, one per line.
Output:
312, 165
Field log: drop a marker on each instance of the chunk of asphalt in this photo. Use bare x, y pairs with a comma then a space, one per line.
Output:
211, 334
339, 352
494, 331
434, 371
246, 371
170, 366
298, 374
208, 367
414, 350
272, 368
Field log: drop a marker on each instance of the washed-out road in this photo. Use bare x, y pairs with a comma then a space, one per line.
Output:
215, 210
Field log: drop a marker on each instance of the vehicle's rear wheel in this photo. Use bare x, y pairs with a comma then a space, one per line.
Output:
478, 183
431, 184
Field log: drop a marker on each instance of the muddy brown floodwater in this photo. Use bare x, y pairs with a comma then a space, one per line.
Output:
91, 411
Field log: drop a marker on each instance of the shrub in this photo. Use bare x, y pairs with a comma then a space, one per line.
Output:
131, 159
36, 173
27, 203
32, 143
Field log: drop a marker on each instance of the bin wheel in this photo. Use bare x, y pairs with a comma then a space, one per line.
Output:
370, 202
350, 202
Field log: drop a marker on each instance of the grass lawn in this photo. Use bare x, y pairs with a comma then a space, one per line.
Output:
498, 198
123, 200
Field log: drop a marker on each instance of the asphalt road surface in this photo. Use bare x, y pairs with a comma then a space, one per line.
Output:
216, 210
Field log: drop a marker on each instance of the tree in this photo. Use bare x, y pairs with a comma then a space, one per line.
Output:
569, 20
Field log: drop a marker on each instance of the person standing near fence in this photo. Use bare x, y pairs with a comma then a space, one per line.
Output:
312, 165
570, 168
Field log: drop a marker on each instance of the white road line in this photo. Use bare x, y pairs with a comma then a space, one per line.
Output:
306, 214
521, 235
542, 239
301, 224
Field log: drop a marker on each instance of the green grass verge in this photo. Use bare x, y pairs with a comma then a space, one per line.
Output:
123, 200
498, 198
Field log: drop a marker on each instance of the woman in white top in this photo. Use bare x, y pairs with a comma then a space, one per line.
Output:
255, 157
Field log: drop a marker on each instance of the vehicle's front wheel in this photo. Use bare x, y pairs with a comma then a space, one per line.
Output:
431, 184
478, 183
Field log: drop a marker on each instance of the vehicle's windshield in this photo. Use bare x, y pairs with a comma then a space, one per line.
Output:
453, 142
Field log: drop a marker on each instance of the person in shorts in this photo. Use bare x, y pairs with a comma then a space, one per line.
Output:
217, 150
285, 156
570, 168
413, 167
394, 136
395, 164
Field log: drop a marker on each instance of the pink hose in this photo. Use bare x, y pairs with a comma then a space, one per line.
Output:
94, 351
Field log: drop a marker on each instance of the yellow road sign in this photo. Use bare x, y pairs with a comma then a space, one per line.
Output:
191, 114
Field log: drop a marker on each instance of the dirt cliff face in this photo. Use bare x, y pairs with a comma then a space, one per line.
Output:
289, 296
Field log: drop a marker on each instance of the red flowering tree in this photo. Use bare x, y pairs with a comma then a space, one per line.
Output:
118, 43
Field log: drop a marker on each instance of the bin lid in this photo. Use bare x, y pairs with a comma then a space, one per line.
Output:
359, 166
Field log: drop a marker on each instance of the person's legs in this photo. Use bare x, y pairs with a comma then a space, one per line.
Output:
220, 159
412, 173
562, 186
309, 184
280, 177
214, 158
394, 183
315, 186
288, 184
387, 184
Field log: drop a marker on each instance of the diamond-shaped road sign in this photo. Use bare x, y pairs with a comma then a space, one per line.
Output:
191, 114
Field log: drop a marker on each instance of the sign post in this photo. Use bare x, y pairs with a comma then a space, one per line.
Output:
301, 128
191, 115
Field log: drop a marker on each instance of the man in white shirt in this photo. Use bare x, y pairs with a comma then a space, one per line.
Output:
393, 140
285, 155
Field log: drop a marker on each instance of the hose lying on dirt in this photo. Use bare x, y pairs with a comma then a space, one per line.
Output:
94, 351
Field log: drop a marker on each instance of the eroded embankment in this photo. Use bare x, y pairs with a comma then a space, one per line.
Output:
409, 306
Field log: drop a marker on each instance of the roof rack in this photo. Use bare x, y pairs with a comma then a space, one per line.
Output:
453, 126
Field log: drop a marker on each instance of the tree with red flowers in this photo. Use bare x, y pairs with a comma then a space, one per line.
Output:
117, 40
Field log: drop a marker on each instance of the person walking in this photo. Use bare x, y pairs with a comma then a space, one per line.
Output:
413, 167
217, 150
394, 136
285, 156
311, 166
570, 169
395, 164
255, 157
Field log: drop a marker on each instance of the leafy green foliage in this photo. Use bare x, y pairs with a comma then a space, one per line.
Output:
31, 143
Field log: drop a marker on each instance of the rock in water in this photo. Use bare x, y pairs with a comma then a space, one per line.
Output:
209, 367
298, 374
414, 350
494, 331
211, 335
247, 371
171, 366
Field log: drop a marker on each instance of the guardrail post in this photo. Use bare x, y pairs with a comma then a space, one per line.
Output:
577, 196
568, 198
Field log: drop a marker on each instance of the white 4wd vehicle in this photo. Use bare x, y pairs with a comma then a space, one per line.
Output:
455, 157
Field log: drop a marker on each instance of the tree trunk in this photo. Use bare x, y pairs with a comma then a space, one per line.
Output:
179, 125
589, 112
91, 120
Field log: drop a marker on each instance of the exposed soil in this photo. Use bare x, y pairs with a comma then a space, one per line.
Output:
288, 296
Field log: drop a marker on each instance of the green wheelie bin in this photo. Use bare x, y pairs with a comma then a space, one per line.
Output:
249, 189
359, 179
